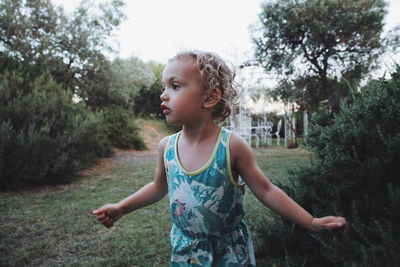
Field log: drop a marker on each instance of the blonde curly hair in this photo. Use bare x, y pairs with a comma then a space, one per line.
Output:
215, 73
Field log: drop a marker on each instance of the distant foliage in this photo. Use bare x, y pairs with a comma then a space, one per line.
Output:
141, 84
121, 128
44, 136
70, 46
147, 101
357, 176
49, 58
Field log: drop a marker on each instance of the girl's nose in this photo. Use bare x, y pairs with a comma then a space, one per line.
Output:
164, 96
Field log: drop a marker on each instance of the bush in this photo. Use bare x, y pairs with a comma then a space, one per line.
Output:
357, 176
44, 136
121, 128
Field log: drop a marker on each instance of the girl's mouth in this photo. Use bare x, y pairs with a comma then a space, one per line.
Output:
165, 110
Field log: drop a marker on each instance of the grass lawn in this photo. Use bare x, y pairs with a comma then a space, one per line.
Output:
52, 226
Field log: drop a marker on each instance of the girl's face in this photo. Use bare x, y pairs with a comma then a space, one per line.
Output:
182, 98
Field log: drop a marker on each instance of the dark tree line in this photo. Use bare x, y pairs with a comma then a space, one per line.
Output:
63, 102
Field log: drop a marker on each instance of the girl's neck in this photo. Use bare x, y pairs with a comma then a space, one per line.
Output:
199, 132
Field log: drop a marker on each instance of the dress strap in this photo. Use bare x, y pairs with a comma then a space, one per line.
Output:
169, 148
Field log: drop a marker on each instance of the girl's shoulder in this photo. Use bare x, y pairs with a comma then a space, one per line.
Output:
167, 143
163, 143
238, 146
165, 140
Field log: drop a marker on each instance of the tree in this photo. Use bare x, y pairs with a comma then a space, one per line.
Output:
40, 38
139, 82
317, 46
47, 59
147, 101
44, 136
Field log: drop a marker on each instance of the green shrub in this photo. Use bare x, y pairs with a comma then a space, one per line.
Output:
121, 128
44, 136
357, 176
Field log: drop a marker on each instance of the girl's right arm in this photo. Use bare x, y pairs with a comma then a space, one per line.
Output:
147, 195
272, 196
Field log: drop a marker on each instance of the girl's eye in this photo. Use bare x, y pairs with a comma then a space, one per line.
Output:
175, 86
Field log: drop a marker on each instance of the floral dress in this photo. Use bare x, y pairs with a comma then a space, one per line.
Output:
206, 209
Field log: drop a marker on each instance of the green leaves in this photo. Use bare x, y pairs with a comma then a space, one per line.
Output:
49, 61
121, 129
328, 40
45, 137
43, 38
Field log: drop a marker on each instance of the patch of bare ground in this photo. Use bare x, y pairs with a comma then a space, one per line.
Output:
103, 165
150, 134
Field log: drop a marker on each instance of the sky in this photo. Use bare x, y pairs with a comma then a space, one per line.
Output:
156, 30
220, 26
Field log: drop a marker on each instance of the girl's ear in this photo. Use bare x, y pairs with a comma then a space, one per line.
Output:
211, 100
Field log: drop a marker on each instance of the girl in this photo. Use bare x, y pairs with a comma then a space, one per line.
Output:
204, 168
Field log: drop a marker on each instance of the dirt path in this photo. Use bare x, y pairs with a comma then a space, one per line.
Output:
150, 134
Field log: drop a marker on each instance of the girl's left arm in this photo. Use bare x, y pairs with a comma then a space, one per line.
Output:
244, 164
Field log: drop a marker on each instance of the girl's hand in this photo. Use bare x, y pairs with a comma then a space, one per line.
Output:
108, 214
329, 223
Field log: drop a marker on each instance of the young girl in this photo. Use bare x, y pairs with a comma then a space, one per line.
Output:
204, 168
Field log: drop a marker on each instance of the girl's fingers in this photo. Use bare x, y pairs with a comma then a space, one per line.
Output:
333, 225
106, 220
332, 219
330, 223
101, 216
342, 225
107, 215
328, 219
96, 212
109, 224
99, 211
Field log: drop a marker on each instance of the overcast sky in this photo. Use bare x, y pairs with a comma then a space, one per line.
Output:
157, 29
